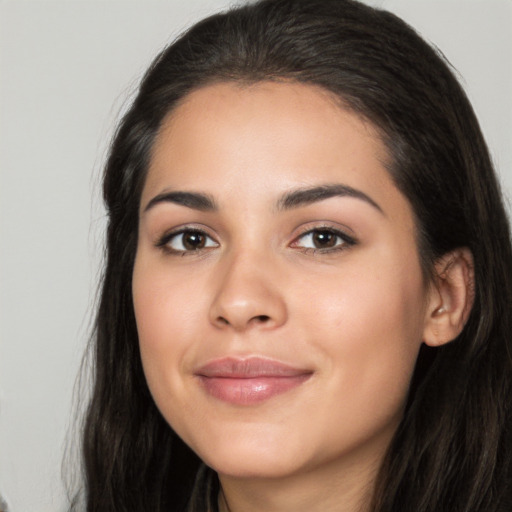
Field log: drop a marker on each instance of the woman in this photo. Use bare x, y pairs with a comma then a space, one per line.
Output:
306, 297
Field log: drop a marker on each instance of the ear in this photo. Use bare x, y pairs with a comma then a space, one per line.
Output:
450, 298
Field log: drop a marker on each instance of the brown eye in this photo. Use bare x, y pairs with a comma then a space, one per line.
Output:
193, 240
187, 241
324, 239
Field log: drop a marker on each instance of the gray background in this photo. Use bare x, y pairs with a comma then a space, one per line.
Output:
67, 70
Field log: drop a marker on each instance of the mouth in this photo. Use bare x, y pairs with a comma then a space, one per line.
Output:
249, 381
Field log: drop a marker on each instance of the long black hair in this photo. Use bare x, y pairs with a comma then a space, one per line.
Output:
452, 451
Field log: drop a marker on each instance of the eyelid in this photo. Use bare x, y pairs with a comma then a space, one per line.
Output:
163, 240
324, 225
348, 240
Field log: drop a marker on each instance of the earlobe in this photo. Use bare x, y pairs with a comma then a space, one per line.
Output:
451, 297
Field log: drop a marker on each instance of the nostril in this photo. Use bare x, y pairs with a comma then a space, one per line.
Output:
262, 318
242, 323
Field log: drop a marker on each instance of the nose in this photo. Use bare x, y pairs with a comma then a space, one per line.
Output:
248, 295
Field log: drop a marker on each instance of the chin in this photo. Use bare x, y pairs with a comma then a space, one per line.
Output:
246, 456
255, 467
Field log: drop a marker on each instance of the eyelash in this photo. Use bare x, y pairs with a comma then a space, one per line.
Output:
342, 242
167, 238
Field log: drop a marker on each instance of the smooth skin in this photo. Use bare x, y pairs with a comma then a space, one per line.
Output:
249, 262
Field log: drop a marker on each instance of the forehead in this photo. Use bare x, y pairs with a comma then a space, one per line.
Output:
267, 114
267, 137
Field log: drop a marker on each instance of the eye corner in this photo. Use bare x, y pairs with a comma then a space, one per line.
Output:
186, 240
323, 239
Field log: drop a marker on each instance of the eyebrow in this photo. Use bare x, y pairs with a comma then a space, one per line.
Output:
306, 196
194, 200
290, 200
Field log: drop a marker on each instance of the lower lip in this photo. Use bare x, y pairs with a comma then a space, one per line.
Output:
252, 390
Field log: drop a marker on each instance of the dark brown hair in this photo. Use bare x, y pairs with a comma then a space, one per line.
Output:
452, 451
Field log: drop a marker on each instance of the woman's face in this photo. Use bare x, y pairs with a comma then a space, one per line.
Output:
278, 293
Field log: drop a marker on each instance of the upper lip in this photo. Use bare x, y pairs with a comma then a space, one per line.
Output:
249, 368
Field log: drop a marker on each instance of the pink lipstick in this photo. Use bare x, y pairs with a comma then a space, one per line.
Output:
249, 381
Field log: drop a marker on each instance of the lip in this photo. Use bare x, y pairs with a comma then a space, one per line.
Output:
249, 381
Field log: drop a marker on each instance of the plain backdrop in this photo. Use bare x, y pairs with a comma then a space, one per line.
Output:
67, 71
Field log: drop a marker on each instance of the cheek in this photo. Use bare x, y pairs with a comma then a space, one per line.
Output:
167, 313
378, 291
368, 324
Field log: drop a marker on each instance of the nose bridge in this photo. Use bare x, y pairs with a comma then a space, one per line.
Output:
247, 293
